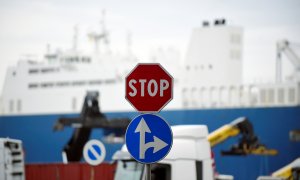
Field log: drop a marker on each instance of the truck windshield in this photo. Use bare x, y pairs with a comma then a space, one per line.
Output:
128, 170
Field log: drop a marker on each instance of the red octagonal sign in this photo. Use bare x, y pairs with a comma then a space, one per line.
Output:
149, 87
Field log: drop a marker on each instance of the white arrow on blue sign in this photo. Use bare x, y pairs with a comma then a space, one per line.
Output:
149, 138
94, 152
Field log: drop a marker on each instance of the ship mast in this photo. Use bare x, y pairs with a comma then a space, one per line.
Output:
97, 37
75, 38
129, 43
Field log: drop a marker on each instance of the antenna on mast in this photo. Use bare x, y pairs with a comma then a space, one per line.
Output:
48, 48
129, 42
75, 38
96, 37
103, 25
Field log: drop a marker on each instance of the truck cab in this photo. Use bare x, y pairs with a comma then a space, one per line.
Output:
189, 158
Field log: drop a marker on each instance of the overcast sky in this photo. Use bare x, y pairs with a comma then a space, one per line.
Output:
27, 26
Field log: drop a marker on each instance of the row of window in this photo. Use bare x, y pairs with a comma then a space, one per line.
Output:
12, 106
67, 84
83, 59
44, 70
201, 67
16, 106
235, 95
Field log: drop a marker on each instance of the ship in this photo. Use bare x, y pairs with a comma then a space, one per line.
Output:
208, 89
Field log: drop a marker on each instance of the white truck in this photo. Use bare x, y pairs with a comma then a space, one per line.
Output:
190, 158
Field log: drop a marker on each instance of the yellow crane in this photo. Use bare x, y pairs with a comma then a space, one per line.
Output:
290, 171
248, 143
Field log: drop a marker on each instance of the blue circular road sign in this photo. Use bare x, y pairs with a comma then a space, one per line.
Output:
149, 138
94, 152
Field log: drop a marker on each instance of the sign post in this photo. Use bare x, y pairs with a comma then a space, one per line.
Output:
148, 169
149, 87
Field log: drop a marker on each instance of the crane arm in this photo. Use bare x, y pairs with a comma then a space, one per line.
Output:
290, 171
248, 143
90, 117
221, 134
284, 46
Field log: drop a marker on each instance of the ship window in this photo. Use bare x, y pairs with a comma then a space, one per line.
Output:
235, 39
33, 85
33, 71
263, 95
86, 59
62, 83
46, 85
200, 100
291, 95
223, 96
238, 54
78, 83
95, 82
205, 96
271, 96
213, 96
194, 96
234, 96
254, 92
280, 95
235, 54
47, 70
110, 81
185, 97
19, 105
242, 95
11, 106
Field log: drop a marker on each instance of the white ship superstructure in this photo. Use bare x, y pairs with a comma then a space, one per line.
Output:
210, 77
208, 89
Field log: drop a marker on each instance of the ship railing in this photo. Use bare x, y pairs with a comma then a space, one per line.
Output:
263, 95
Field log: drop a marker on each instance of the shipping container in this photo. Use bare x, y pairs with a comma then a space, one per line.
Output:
71, 171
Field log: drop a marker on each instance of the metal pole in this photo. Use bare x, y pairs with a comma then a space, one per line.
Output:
278, 64
278, 68
148, 171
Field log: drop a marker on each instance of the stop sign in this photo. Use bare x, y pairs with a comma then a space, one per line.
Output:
149, 87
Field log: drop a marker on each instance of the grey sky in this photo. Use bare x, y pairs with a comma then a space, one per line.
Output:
27, 26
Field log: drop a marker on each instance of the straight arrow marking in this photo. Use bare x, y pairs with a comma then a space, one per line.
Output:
158, 144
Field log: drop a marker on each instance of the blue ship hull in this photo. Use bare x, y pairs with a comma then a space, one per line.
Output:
272, 125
